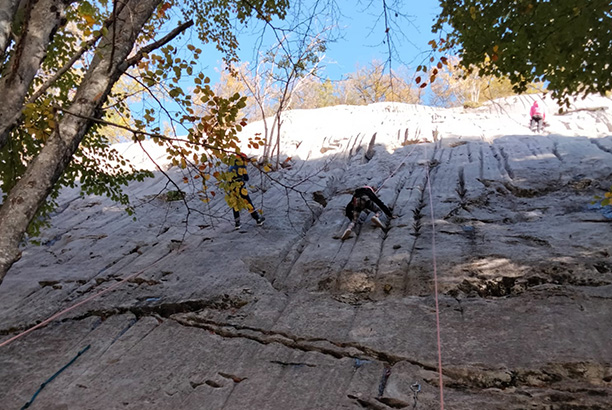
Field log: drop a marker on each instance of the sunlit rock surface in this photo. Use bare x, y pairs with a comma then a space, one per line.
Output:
287, 316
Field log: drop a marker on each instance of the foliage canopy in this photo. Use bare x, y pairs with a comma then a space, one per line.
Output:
564, 43
61, 61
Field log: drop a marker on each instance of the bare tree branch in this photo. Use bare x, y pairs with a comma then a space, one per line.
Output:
142, 132
157, 44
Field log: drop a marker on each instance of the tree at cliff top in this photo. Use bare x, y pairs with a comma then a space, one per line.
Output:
60, 62
454, 87
563, 43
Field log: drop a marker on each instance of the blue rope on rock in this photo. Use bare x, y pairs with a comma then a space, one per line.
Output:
50, 379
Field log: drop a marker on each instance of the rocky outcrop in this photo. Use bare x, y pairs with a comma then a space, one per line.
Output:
288, 316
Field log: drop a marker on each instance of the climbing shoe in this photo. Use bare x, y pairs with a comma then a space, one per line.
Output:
377, 222
260, 221
346, 234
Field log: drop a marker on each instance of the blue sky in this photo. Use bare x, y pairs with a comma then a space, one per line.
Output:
363, 38
363, 33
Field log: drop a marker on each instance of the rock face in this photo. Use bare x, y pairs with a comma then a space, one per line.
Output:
195, 315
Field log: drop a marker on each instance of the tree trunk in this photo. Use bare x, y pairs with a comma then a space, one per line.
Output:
279, 122
44, 170
41, 19
8, 8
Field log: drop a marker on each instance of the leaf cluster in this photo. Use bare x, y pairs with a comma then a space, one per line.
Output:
96, 168
607, 198
216, 19
563, 43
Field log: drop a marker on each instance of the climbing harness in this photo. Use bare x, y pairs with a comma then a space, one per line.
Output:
50, 379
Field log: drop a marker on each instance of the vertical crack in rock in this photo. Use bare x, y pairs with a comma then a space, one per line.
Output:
481, 163
459, 308
533, 150
600, 145
555, 151
369, 154
383, 380
295, 250
353, 243
406, 133
288, 262
500, 161
451, 153
417, 212
398, 188
468, 147
417, 224
355, 147
418, 216
461, 190
506, 163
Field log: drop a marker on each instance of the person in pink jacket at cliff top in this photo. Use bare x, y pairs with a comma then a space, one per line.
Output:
537, 116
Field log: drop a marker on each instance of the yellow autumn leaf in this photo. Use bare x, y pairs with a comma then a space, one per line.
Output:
89, 20
473, 12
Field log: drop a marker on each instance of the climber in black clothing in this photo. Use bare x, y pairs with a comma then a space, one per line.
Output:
364, 199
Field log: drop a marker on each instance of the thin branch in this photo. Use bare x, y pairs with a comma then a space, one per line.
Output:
141, 132
388, 35
173, 183
161, 106
73, 60
63, 70
156, 44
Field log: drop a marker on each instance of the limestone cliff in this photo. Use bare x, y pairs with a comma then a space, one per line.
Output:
287, 316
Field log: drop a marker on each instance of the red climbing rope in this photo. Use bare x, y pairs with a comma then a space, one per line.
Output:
435, 270
55, 316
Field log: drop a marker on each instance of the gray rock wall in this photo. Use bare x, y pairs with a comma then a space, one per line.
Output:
288, 316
